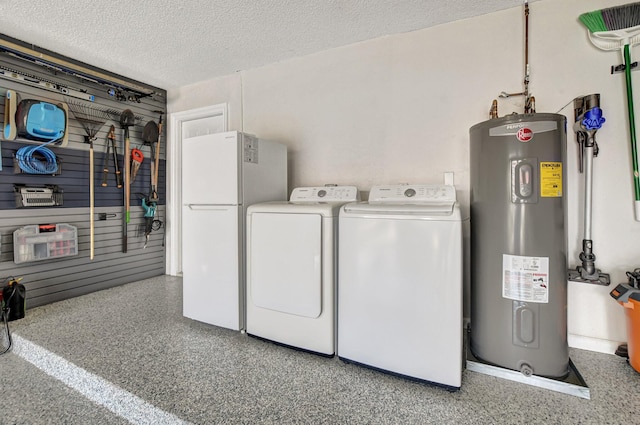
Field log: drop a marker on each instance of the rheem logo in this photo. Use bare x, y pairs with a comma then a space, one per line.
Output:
524, 134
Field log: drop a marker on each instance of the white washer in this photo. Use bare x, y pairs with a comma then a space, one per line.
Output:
291, 268
400, 283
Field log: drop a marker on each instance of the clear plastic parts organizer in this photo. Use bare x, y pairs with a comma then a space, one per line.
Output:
44, 242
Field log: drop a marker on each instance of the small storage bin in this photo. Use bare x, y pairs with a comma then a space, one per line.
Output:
629, 297
44, 242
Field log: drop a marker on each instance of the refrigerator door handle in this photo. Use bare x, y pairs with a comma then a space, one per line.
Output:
196, 207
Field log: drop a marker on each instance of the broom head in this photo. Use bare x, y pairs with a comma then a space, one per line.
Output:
613, 27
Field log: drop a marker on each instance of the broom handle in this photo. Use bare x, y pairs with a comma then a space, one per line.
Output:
632, 130
91, 203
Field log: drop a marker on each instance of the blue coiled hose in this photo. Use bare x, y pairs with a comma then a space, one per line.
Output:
32, 165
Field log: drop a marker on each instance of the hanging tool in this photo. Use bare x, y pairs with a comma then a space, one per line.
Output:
105, 162
149, 214
154, 188
28, 119
136, 161
42, 83
111, 146
92, 120
91, 202
127, 119
41, 58
588, 120
618, 28
151, 135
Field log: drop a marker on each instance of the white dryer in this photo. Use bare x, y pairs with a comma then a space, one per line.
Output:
400, 283
291, 268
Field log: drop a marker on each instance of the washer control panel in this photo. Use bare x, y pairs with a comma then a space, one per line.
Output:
325, 194
410, 194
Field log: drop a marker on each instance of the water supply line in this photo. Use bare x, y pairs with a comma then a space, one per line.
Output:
529, 101
527, 97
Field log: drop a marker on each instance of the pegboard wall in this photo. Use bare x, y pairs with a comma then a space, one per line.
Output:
29, 72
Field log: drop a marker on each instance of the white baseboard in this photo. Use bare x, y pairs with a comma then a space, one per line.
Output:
593, 344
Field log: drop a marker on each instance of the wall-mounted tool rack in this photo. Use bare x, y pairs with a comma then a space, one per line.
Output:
114, 83
36, 73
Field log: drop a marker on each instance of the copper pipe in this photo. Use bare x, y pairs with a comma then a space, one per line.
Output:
493, 113
527, 99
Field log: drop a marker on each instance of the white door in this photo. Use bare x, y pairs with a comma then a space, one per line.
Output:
211, 265
286, 263
215, 119
210, 169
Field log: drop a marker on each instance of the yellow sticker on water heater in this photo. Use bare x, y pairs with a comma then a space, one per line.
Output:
551, 179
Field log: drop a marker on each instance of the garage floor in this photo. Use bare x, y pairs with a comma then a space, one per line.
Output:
126, 355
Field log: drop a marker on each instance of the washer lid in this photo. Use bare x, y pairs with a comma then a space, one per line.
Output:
413, 194
431, 209
423, 200
325, 194
326, 209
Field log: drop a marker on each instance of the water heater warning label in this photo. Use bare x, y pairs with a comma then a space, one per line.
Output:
551, 179
525, 278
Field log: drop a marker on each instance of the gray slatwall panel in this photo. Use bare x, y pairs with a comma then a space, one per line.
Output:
74, 179
46, 280
145, 109
83, 290
57, 279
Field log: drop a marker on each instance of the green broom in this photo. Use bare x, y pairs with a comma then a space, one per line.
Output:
612, 29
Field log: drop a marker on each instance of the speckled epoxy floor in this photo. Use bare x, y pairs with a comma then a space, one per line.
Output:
135, 337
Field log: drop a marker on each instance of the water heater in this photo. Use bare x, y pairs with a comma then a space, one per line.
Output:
519, 243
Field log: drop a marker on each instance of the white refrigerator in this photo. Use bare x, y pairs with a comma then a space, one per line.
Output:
222, 174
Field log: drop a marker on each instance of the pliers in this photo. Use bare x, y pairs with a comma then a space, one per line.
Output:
111, 144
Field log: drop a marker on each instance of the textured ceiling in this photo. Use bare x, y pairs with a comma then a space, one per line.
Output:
169, 43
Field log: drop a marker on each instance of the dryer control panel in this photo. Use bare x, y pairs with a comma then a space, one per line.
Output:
325, 194
413, 194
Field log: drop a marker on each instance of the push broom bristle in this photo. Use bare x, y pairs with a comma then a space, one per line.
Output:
621, 17
612, 18
593, 21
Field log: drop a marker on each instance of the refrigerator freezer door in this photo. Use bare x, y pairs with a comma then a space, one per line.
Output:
210, 172
211, 265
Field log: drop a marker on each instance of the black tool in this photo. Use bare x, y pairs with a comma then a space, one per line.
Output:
149, 218
111, 146
127, 119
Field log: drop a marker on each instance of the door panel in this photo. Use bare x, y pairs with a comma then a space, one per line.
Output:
286, 263
210, 169
211, 265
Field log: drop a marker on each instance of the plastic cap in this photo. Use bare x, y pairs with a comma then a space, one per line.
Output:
593, 119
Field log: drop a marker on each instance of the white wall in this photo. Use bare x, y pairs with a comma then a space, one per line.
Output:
398, 109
